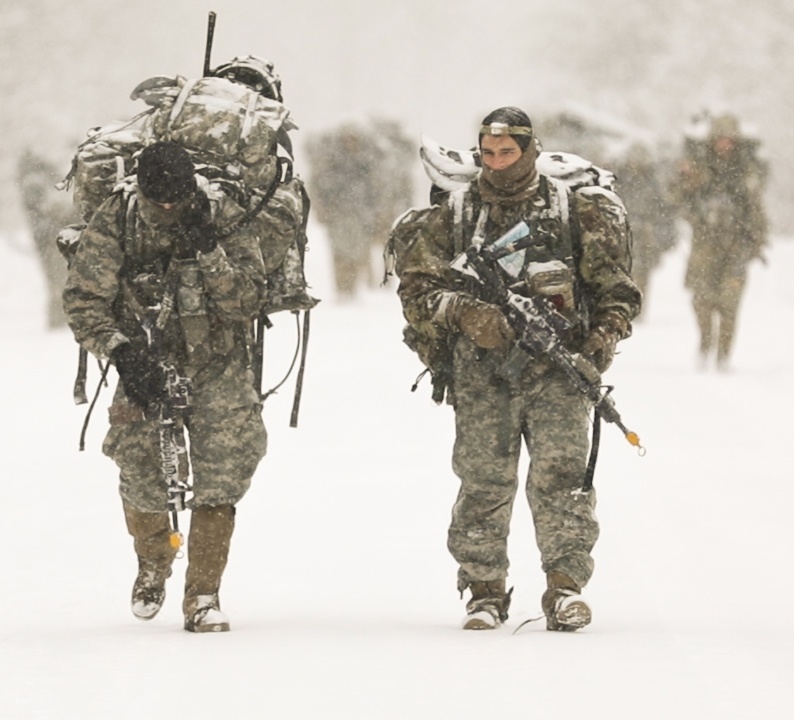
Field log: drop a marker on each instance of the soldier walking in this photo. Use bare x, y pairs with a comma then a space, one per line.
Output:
586, 275
166, 285
719, 187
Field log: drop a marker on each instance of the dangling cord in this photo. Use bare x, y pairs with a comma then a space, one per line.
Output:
299, 381
419, 379
272, 390
526, 622
102, 381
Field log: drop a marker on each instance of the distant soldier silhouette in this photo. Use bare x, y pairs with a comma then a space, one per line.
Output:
719, 185
651, 213
47, 211
360, 181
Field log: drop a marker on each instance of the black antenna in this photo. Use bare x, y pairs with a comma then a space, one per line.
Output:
208, 48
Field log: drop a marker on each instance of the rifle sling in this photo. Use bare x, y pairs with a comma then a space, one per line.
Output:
587, 485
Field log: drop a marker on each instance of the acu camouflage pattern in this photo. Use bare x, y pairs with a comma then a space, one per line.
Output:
227, 124
118, 271
496, 410
281, 227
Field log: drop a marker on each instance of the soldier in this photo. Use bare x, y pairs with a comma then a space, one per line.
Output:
650, 212
47, 212
360, 180
168, 280
496, 410
719, 187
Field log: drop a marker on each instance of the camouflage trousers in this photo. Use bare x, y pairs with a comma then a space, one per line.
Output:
227, 439
493, 420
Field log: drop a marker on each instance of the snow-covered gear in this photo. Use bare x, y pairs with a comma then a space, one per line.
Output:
577, 258
576, 189
487, 608
255, 72
564, 607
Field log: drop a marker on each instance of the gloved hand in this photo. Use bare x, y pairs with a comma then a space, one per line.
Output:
484, 323
197, 231
600, 347
141, 375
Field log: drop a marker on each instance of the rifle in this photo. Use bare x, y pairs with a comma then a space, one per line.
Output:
539, 327
173, 408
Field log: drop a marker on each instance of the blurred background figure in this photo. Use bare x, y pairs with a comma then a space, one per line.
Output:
719, 185
47, 211
641, 186
361, 179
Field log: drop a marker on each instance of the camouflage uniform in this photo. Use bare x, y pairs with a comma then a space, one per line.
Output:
120, 269
720, 195
495, 410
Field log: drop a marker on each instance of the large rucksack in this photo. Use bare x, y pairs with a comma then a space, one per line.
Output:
232, 133
452, 172
237, 139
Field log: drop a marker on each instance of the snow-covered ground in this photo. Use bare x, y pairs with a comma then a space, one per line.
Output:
340, 589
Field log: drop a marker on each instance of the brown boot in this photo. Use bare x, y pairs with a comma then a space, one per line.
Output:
207, 550
151, 532
487, 608
564, 607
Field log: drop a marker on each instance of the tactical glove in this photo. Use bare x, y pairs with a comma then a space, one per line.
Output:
600, 347
608, 328
141, 375
485, 324
197, 231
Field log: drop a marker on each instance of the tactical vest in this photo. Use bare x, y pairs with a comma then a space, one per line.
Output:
169, 300
547, 266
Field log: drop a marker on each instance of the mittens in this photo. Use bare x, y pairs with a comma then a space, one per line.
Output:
141, 375
198, 233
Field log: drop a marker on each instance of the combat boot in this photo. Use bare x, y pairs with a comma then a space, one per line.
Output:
565, 609
208, 544
151, 533
487, 608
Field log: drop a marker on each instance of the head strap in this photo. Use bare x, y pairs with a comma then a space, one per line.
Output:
500, 128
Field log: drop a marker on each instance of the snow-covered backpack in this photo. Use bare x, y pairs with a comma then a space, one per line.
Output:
237, 138
452, 172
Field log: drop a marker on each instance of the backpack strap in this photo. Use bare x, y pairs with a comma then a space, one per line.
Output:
263, 323
463, 217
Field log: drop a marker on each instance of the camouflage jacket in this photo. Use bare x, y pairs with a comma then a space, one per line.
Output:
123, 270
603, 290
